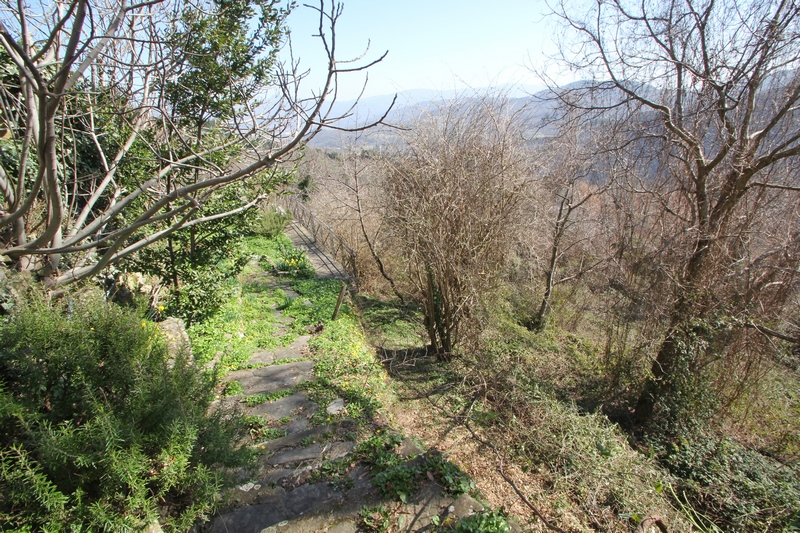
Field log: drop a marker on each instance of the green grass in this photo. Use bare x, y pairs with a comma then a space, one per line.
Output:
258, 399
243, 325
346, 368
261, 429
246, 322
391, 325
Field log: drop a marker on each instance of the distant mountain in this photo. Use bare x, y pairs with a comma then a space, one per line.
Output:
538, 109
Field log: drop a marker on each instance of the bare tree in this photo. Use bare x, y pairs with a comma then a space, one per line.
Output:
711, 91
109, 78
571, 181
453, 198
350, 188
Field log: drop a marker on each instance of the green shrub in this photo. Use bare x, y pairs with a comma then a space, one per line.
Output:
735, 488
394, 476
448, 474
270, 222
398, 482
99, 429
295, 263
201, 263
375, 519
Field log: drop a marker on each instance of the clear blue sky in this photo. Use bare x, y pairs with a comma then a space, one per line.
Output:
433, 44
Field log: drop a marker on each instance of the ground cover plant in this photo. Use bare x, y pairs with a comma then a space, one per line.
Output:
101, 429
346, 368
582, 464
244, 322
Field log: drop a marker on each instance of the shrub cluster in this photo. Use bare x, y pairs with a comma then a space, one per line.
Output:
99, 429
270, 222
737, 488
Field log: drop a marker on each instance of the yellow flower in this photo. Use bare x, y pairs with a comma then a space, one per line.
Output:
160, 307
144, 324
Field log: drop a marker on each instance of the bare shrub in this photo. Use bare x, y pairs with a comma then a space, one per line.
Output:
453, 195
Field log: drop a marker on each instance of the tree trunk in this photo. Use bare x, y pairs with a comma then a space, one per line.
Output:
689, 306
655, 389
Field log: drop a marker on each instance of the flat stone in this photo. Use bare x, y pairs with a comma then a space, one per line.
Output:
251, 519
423, 506
293, 438
464, 505
247, 487
296, 455
272, 378
174, 331
274, 476
408, 448
282, 407
262, 357
338, 450
276, 528
296, 350
335, 407
300, 424
343, 527
307, 498
290, 294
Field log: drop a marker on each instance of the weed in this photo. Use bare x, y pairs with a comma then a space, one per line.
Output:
379, 450
398, 482
375, 519
483, 522
258, 399
295, 263
450, 476
262, 429
393, 477
729, 483
232, 388
335, 473
391, 325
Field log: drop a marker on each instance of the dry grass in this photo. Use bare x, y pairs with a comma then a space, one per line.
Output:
576, 469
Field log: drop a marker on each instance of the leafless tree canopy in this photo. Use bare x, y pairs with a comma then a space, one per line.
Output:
105, 75
709, 93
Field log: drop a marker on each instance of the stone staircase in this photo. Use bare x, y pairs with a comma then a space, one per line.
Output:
279, 496
290, 489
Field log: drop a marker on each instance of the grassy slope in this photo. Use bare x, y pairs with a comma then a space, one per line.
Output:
576, 468
574, 465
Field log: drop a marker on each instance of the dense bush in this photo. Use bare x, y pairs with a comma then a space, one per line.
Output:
270, 222
99, 429
737, 488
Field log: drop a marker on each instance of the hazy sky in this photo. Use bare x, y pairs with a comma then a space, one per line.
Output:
433, 44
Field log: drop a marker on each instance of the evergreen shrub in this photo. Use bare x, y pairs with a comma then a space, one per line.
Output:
100, 430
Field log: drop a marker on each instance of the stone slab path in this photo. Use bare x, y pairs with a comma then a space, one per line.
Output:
279, 494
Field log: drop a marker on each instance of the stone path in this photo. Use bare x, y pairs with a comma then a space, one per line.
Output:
280, 494
324, 264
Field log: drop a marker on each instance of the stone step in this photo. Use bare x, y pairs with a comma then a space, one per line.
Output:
279, 508
297, 455
296, 350
272, 379
293, 439
294, 405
